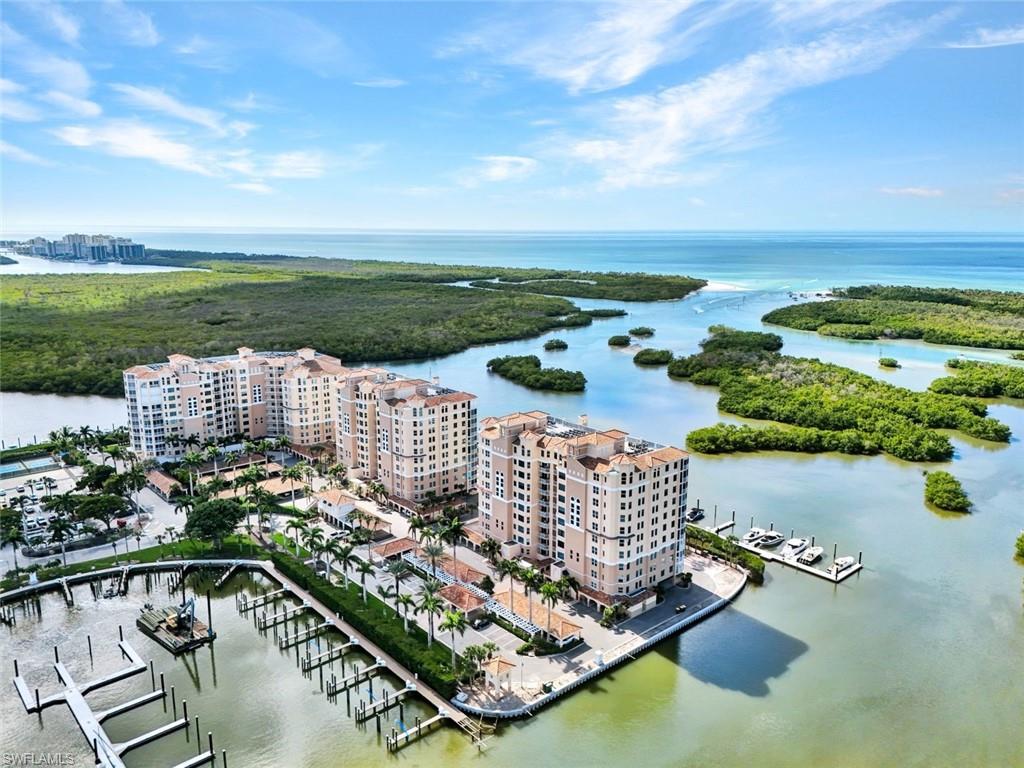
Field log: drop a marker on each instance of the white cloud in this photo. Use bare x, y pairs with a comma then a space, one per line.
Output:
699, 202
133, 26
253, 186
1012, 196
17, 153
130, 138
298, 164
13, 108
195, 44
9, 86
495, 168
249, 103
63, 24
380, 82
823, 12
912, 191
158, 100
603, 50
64, 74
647, 139
73, 104
991, 38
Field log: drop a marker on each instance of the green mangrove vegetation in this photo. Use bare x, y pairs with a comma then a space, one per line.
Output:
653, 357
977, 379
621, 286
643, 331
527, 370
944, 491
971, 318
620, 340
1020, 545
555, 344
75, 333
757, 382
734, 438
888, 362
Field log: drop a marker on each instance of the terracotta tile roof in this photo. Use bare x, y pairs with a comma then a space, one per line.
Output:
461, 598
162, 481
472, 532
460, 571
336, 496
498, 666
395, 547
659, 456
274, 485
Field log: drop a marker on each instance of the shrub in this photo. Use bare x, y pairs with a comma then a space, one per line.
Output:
605, 312
1020, 545
527, 370
653, 357
619, 341
945, 492
977, 379
643, 331
888, 362
555, 344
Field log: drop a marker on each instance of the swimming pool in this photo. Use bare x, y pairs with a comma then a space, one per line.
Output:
27, 466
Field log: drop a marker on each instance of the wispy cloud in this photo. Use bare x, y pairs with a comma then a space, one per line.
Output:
64, 74
991, 38
592, 48
131, 138
646, 140
496, 168
158, 100
296, 165
380, 82
73, 104
912, 191
253, 186
12, 107
132, 25
823, 12
63, 24
23, 156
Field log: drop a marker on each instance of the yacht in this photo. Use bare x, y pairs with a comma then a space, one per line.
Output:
695, 514
794, 547
770, 539
753, 535
841, 564
811, 556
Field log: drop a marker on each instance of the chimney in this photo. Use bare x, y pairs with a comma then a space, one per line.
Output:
584, 420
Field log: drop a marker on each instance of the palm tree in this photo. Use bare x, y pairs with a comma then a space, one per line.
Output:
332, 547
172, 535
549, 595
134, 480
452, 532
417, 525
14, 538
433, 551
345, 557
212, 453
292, 474
184, 504
60, 532
397, 569
299, 529
313, 539
63, 504
192, 460
430, 604
454, 621
508, 568
532, 581
405, 601
50, 485
160, 541
364, 569
85, 435
282, 443
491, 549
264, 446
568, 583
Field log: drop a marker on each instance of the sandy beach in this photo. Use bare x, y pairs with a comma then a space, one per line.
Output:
714, 285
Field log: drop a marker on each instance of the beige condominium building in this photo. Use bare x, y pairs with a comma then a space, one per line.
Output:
605, 506
257, 394
414, 436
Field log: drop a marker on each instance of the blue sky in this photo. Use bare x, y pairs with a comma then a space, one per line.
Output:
642, 115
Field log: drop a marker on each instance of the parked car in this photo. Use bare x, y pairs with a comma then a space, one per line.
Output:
481, 623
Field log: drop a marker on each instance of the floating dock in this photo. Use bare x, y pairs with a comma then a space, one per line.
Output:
161, 624
828, 575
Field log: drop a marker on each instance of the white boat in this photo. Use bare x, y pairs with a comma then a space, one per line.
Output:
794, 547
753, 535
841, 564
770, 539
811, 556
